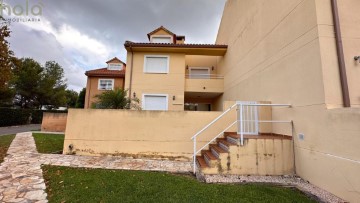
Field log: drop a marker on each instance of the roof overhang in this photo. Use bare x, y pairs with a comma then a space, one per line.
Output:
187, 49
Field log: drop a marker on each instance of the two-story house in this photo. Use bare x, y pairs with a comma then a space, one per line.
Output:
168, 74
100, 80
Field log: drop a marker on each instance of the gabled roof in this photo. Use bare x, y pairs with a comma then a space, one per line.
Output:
160, 28
104, 72
115, 60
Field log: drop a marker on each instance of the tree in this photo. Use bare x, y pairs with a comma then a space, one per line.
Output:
52, 86
38, 86
115, 99
27, 83
71, 98
7, 63
80, 103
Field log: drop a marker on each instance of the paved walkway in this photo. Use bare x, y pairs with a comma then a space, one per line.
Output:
21, 178
19, 129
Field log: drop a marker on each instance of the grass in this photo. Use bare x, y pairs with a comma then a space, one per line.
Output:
48, 143
5, 141
65, 184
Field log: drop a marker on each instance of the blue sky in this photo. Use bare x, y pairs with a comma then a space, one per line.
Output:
83, 35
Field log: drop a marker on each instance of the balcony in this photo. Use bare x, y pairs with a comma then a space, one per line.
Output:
204, 83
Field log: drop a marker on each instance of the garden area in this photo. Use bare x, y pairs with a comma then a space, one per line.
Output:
65, 184
49, 143
68, 184
5, 141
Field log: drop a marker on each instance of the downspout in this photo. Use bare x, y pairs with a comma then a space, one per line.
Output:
340, 54
131, 70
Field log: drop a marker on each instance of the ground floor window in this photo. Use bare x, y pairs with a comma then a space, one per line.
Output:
155, 102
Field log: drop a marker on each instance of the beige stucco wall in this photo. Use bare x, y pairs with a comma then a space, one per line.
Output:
54, 122
92, 88
283, 51
202, 61
256, 157
172, 84
143, 133
350, 28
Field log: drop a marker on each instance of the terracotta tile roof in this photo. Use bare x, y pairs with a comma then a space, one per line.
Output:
160, 28
141, 44
106, 72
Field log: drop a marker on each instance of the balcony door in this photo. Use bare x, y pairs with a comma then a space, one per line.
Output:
199, 73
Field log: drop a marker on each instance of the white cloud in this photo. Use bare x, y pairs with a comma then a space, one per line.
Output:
74, 51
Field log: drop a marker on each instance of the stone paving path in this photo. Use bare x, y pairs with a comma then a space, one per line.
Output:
21, 178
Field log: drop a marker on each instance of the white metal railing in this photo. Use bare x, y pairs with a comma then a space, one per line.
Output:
247, 123
243, 118
203, 76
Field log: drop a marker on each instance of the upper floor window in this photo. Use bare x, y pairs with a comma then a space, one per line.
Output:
161, 39
115, 66
156, 64
106, 84
199, 73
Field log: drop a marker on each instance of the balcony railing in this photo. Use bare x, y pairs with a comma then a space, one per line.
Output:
203, 76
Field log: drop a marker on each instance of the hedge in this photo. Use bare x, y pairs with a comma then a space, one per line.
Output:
12, 117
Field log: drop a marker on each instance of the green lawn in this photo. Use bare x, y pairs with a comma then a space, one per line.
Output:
48, 143
65, 184
5, 141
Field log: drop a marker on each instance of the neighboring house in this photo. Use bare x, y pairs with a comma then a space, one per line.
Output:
168, 74
100, 80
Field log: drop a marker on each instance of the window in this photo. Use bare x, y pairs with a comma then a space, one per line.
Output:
115, 66
156, 64
161, 39
155, 102
199, 73
106, 84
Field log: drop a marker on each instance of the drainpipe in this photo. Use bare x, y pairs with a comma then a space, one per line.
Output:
340, 54
131, 70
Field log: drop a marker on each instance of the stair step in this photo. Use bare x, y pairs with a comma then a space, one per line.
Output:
217, 148
232, 140
201, 162
232, 135
209, 155
225, 142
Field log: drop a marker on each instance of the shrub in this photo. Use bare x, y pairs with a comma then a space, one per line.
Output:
11, 117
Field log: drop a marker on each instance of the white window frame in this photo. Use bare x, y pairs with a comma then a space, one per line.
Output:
158, 95
162, 36
112, 87
157, 56
202, 68
121, 66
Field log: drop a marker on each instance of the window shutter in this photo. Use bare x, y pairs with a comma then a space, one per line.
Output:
156, 64
155, 103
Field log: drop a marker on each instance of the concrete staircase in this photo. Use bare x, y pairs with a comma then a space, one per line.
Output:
260, 155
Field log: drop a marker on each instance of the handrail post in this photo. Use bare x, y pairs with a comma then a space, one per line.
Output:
194, 158
241, 125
